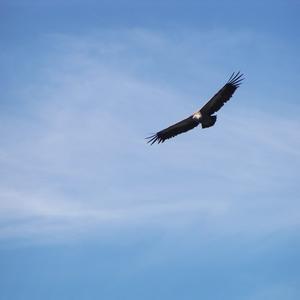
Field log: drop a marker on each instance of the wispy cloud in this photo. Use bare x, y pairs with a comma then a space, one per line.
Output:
76, 156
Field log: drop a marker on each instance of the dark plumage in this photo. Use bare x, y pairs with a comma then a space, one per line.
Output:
204, 115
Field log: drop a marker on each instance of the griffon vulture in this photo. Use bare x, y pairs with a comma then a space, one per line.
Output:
205, 116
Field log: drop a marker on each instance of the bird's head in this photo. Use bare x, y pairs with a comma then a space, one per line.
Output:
197, 115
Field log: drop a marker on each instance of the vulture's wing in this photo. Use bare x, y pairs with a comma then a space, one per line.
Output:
180, 127
223, 95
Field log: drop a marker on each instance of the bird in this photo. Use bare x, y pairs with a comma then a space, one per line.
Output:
205, 116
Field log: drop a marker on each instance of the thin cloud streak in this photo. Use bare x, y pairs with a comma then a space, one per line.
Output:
80, 157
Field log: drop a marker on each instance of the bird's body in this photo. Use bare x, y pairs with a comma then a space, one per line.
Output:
205, 116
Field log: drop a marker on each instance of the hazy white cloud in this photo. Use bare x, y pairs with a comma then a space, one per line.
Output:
76, 157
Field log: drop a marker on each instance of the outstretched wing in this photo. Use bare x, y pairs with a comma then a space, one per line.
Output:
180, 127
223, 95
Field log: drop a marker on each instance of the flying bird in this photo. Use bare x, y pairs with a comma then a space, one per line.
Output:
205, 116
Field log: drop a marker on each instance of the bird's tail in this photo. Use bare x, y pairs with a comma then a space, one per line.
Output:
209, 121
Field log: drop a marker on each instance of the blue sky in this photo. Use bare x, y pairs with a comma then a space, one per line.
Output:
88, 210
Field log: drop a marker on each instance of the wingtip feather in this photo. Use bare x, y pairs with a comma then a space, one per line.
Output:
153, 138
236, 79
